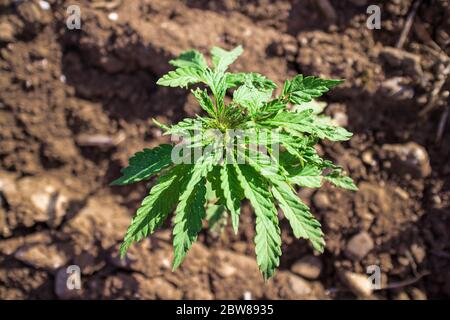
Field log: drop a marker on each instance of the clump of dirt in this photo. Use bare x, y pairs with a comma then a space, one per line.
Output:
76, 104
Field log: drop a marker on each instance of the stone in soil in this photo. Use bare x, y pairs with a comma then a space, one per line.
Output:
359, 284
409, 159
308, 267
359, 246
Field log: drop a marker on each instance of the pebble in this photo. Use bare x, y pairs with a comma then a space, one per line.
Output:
308, 267
44, 5
113, 16
398, 58
359, 246
407, 159
359, 284
321, 200
247, 295
42, 256
299, 285
367, 158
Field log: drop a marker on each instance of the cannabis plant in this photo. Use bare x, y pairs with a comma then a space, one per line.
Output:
253, 145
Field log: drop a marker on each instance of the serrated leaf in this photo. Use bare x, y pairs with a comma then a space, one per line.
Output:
188, 221
251, 97
222, 58
156, 206
191, 58
341, 181
307, 122
191, 208
303, 89
317, 107
302, 222
205, 101
145, 164
232, 193
217, 83
181, 77
258, 80
267, 239
308, 176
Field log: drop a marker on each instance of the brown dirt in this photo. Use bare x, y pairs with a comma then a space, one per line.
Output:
60, 88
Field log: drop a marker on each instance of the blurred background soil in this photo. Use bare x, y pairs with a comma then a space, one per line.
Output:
76, 104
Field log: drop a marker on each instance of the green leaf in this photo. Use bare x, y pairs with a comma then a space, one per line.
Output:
188, 220
181, 77
191, 58
251, 97
307, 122
308, 176
268, 238
341, 181
216, 82
216, 184
302, 221
205, 101
258, 80
317, 107
157, 205
222, 58
191, 208
232, 193
145, 164
303, 89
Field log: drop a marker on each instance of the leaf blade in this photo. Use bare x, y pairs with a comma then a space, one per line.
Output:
144, 164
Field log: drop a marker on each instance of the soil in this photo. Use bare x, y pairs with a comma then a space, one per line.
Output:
76, 104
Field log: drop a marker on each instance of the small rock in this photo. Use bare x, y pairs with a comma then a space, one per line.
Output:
226, 270
328, 10
407, 159
359, 284
417, 294
247, 295
299, 286
6, 32
401, 59
113, 16
44, 5
359, 246
309, 267
42, 256
402, 295
418, 252
367, 158
395, 89
321, 201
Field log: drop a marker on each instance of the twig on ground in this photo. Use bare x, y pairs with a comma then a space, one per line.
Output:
435, 93
405, 283
408, 24
440, 254
442, 123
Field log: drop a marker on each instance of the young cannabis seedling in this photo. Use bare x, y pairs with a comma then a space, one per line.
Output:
256, 147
